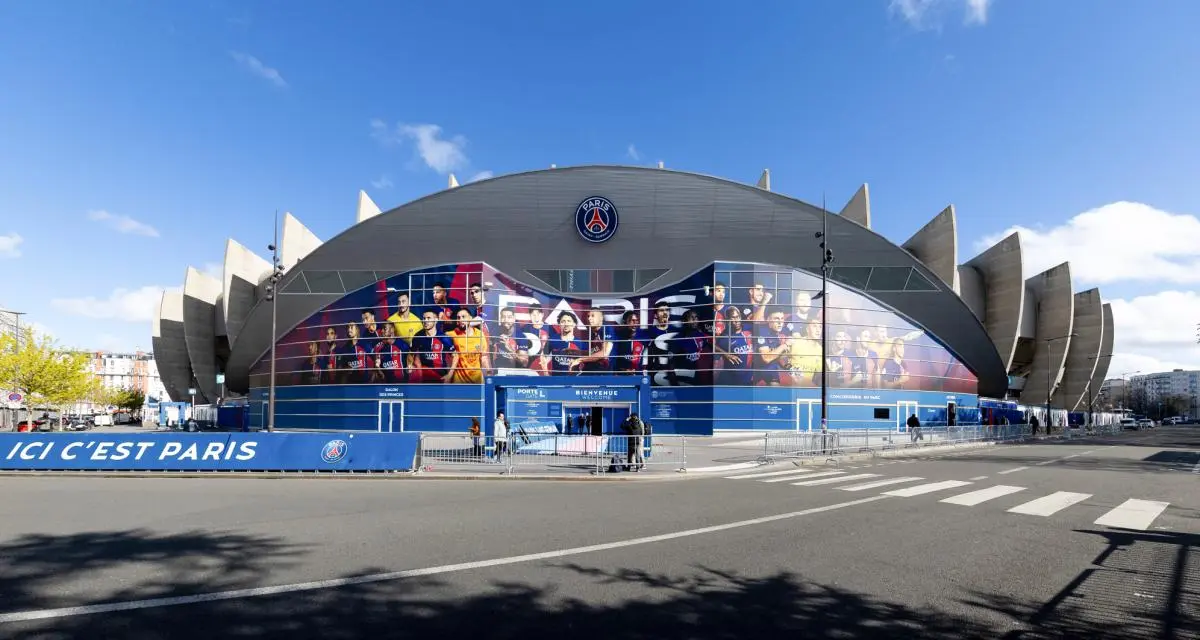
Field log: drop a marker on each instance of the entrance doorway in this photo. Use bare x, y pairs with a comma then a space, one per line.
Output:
904, 409
391, 416
594, 419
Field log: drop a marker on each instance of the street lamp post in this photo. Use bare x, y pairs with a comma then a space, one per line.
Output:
17, 362
826, 261
1049, 421
272, 297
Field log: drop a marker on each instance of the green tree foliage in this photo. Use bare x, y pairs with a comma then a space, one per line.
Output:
42, 372
130, 400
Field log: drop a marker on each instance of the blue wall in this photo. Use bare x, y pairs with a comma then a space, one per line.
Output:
681, 410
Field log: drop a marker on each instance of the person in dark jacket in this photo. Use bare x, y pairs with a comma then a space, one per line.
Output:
636, 430
914, 428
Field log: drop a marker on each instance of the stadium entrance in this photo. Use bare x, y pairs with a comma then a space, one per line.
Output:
578, 405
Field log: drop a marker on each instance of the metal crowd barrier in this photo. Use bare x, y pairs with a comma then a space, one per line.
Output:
555, 452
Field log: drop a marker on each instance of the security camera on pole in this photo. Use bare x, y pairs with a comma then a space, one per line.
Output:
826, 261
272, 295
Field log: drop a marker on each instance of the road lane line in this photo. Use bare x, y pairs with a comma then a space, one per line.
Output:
1133, 514
768, 474
978, 478
880, 483
235, 594
811, 475
921, 489
813, 483
1051, 504
972, 498
1196, 469
1006, 472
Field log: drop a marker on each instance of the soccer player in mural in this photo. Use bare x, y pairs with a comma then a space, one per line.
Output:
629, 346
329, 351
693, 359
352, 357
837, 358
406, 323
444, 306
715, 324
370, 336
735, 348
657, 339
772, 345
798, 320
804, 353
509, 350
565, 347
390, 356
478, 307
760, 298
313, 366
538, 333
470, 344
863, 362
433, 358
893, 375
600, 340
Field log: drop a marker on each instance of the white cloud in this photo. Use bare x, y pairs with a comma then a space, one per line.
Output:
123, 224
10, 245
441, 154
928, 14
1155, 332
128, 305
482, 175
1122, 241
633, 154
383, 182
256, 67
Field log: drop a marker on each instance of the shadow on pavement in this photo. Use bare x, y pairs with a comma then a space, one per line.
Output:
1143, 585
696, 603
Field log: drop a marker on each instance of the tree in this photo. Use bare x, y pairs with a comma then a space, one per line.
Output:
46, 375
129, 399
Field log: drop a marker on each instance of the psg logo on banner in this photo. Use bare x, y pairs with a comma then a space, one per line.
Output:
596, 219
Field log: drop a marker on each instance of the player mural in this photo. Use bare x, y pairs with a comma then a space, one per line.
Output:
730, 324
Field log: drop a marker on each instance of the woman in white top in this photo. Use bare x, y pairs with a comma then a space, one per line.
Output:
500, 432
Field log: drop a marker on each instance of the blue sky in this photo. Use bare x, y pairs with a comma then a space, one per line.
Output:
136, 136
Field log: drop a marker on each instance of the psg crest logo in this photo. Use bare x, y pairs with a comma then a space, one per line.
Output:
596, 219
334, 451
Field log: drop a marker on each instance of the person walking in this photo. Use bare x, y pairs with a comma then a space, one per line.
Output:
500, 433
914, 428
636, 430
1033, 424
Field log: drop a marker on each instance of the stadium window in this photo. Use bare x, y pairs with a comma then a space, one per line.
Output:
855, 277
888, 278
324, 282
883, 413
918, 282
355, 280
547, 276
296, 285
646, 276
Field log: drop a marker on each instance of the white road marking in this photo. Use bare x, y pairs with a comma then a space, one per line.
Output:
768, 474
880, 483
1051, 504
131, 605
921, 489
1008, 471
978, 478
813, 475
1133, 514
973, 498
1196, 469
857, 476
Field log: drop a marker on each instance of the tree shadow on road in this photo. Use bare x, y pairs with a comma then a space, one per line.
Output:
43, 571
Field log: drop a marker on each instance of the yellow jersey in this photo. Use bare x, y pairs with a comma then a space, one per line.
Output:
406, 326
470, 347
804, 356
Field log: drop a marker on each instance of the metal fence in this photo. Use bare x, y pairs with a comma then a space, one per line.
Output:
553, 452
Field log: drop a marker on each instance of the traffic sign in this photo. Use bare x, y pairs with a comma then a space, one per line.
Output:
15, 397
191, 391
220, 378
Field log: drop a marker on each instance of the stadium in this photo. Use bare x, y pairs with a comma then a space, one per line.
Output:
575, 296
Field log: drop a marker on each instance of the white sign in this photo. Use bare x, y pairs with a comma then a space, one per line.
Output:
191, 391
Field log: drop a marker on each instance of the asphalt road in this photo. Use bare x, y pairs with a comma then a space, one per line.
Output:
716, 557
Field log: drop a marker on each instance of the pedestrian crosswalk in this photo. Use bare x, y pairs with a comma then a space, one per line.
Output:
1133, 514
